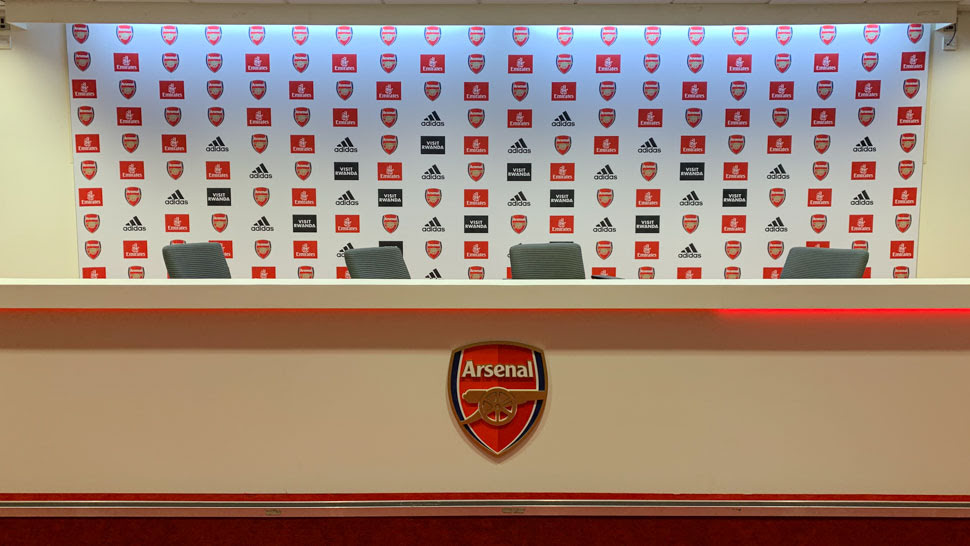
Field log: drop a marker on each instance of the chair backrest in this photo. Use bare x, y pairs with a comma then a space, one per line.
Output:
379, 262
547, 261
825, 263
195, 261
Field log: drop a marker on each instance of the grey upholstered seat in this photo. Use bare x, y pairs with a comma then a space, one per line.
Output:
825, 263
195, 261
547, 261
379, 262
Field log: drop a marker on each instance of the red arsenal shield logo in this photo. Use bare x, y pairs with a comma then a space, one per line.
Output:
432, 249
213, 34
92, 222
213, 61
476, 272
520, 90
907, 141
604, 196
651, 62
780, 116
783, 34
256, 34
607, 116
695, 61
125, 33
92, 249
652, 35
344, 34
345, 89
871, 33
777, 196
476, 62
824, 89
869, 60
301, 115
520, 35
263, 248
216, 87
389, 143
860, 245
608, 35
776, 249
693, 116
133, 195
432, 196
170, 61
910, 87
432, 35
305, 272
607, 90
175, 168
390, 222
81, 32
739, 89
646, 272
170, 33
303, 169
827, 33
648, 170
301, 61
732, 249
82, 60
260, 143
651, 89
914, 32
822, 143
906, 168
130, 142
564, 61
257, 88
497, 392
818, 222
220, 221
476, 35
85, 114
89, 169
740, 35
732, 272
127, 88
432, 89
604, 249
173, 115
900, 272
820, 169
388, 34
389, 116
300, 34
518, 222
388, 62
736, 143
866, 115
782, 62
564, 35
903, 221
563, 143
476, 170
261, 196
476, 116
690, 222
695, 35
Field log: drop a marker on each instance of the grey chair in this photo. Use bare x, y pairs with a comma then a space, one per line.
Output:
195, 261
379, 262
825, 263
547, 261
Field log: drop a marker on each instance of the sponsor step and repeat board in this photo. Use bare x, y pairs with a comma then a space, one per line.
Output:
664, 151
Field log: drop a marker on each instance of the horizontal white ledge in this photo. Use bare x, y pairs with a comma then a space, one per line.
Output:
484, 294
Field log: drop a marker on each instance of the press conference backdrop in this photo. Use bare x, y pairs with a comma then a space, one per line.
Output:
666, 152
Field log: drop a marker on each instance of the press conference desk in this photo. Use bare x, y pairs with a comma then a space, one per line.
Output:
822, 398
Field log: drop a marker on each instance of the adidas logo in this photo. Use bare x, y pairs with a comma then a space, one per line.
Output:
134, 225
177, 199
434, 173
776, 225
605, 226
433, 225
690, 251
345, 145
691, 200
433, 275
563, 120
778, 173
261, 225
606, 173
433, 120
260, 172
519, 200
347, 199
649, 146
519, 147
862, 199
348, 246
217, 145
864, 145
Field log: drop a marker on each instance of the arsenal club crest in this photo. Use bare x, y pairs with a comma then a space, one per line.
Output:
300, 62
652, 35
520, 35
476, 35
914, 32
89, 169
476, 116
651, 89
389, 143
651, 62
432, 90
129, 141
170, 33
213, 61
170, 61
827, 33
732, 272
345, 88
604, 249
564, 35
739, 89
175, 168
604, 196
388, 62
824, 89
732, 249
263, 248
303, 169
173, 115
782, 62
497, 392
783, 34
776, 196
869, 60
344, 34
432, 35
388, 116
261, 196
301, 115
646, 272
563, 143
906, 168
608, 35
820, 169
736, 143
256, 34
92, 222
92, 249
818, 222
300, 34
432, 196
607, 116
476, 170
85, 114
260, 142
220, 221
518, 222
910, 87
215, 88
607, 90
305, 272
82, 60
780, 116
213, 34
695, 61
133, 195
866, 115
776, 249
127, 88
432, 249
740, 35
871, 33
822, 143
81, 32
900, 272
690, 222
390, 222
695, 35
257, 88
476, 62
907, 141
693, 116
476, 272
903, 221
388, 34
520, 90
125, 33
648, 170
